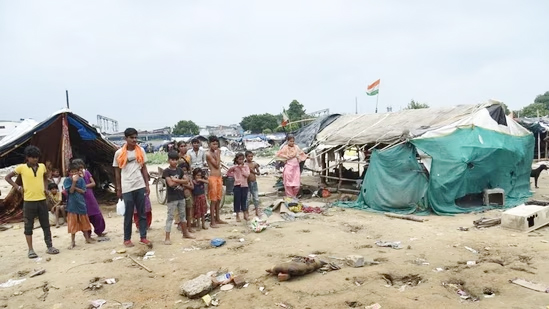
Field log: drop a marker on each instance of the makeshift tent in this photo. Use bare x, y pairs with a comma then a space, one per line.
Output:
472, 149
540, 127
61, 137
305, 136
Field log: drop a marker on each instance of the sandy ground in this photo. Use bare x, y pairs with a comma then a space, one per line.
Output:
503, 255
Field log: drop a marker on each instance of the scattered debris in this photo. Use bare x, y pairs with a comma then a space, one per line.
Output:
110, 281
530, 285
355, 260
94, 284
463, 229
46, 289
487, 222
189, 249
139, 264
149, 255
298, 267
207, 300
198, 286
5, 227
257, 225
12, 282
38, 273
471, 249
394, 244
329, 267
411, 280
471, 263
227, 287
353, 304
217, 242
373, 306
438, 269
96, 304
420, 262
239, 281
459, 287
405, 217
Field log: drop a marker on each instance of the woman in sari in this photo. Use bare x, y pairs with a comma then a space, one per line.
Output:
291, 176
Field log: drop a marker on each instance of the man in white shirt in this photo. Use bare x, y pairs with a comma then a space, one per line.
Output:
198, 156
132, 184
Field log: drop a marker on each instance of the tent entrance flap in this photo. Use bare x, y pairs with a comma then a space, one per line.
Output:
394, 182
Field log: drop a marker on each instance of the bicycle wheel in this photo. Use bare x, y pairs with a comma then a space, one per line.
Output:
161, 191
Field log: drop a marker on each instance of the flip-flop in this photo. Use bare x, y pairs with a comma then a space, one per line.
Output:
32, 254
52, 250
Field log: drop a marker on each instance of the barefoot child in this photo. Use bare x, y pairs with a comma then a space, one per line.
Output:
94, 213
252, 180
199, 197
77, 216
184, 163
55, 203
241, 171
35, 180
176, 200
215, 181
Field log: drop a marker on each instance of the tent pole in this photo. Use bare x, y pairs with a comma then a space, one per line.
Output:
67, 95
539, 147
545, 142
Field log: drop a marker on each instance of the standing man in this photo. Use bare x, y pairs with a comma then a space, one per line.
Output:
215, 181
198, 156
132, 184
35, 184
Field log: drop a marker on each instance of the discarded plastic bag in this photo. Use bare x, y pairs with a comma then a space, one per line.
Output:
120, 207
217, 242
11, 282
257, 225
391, 244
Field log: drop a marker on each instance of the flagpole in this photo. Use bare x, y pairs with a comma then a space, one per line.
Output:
377, 97
356, 105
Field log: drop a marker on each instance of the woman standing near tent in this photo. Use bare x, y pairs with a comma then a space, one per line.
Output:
291, 176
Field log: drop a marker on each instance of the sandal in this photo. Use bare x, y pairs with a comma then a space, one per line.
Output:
52, 250
32, 254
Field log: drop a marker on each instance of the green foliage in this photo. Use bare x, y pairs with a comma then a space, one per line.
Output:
416, 105
296, 111
186, 127
543, 99
267, 131
541, 105
533, 109
157, 158
259, 122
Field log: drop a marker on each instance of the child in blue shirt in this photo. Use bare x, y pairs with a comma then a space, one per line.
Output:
77, 216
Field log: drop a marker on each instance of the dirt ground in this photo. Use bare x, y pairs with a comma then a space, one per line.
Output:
437, 243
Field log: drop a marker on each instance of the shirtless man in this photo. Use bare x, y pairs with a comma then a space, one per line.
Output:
215, 181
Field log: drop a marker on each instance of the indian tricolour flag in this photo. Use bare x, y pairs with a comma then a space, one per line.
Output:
285, 118
373, 88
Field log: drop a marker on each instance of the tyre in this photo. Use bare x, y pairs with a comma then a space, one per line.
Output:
161, 191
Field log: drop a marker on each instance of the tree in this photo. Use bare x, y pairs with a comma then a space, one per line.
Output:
186, 127
296, 111
543, 99
416, 105
259, 122
532, 110
540, 105
267, 131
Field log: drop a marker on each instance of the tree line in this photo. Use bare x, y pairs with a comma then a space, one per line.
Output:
269, 123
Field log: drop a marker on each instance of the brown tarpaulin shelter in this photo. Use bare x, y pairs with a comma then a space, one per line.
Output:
58, 144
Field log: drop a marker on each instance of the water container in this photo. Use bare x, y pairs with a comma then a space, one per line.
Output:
229, 185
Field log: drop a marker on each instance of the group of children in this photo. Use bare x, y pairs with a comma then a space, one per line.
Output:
186, 193
73, 200
41, 195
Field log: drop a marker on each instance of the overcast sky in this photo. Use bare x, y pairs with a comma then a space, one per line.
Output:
149, 64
